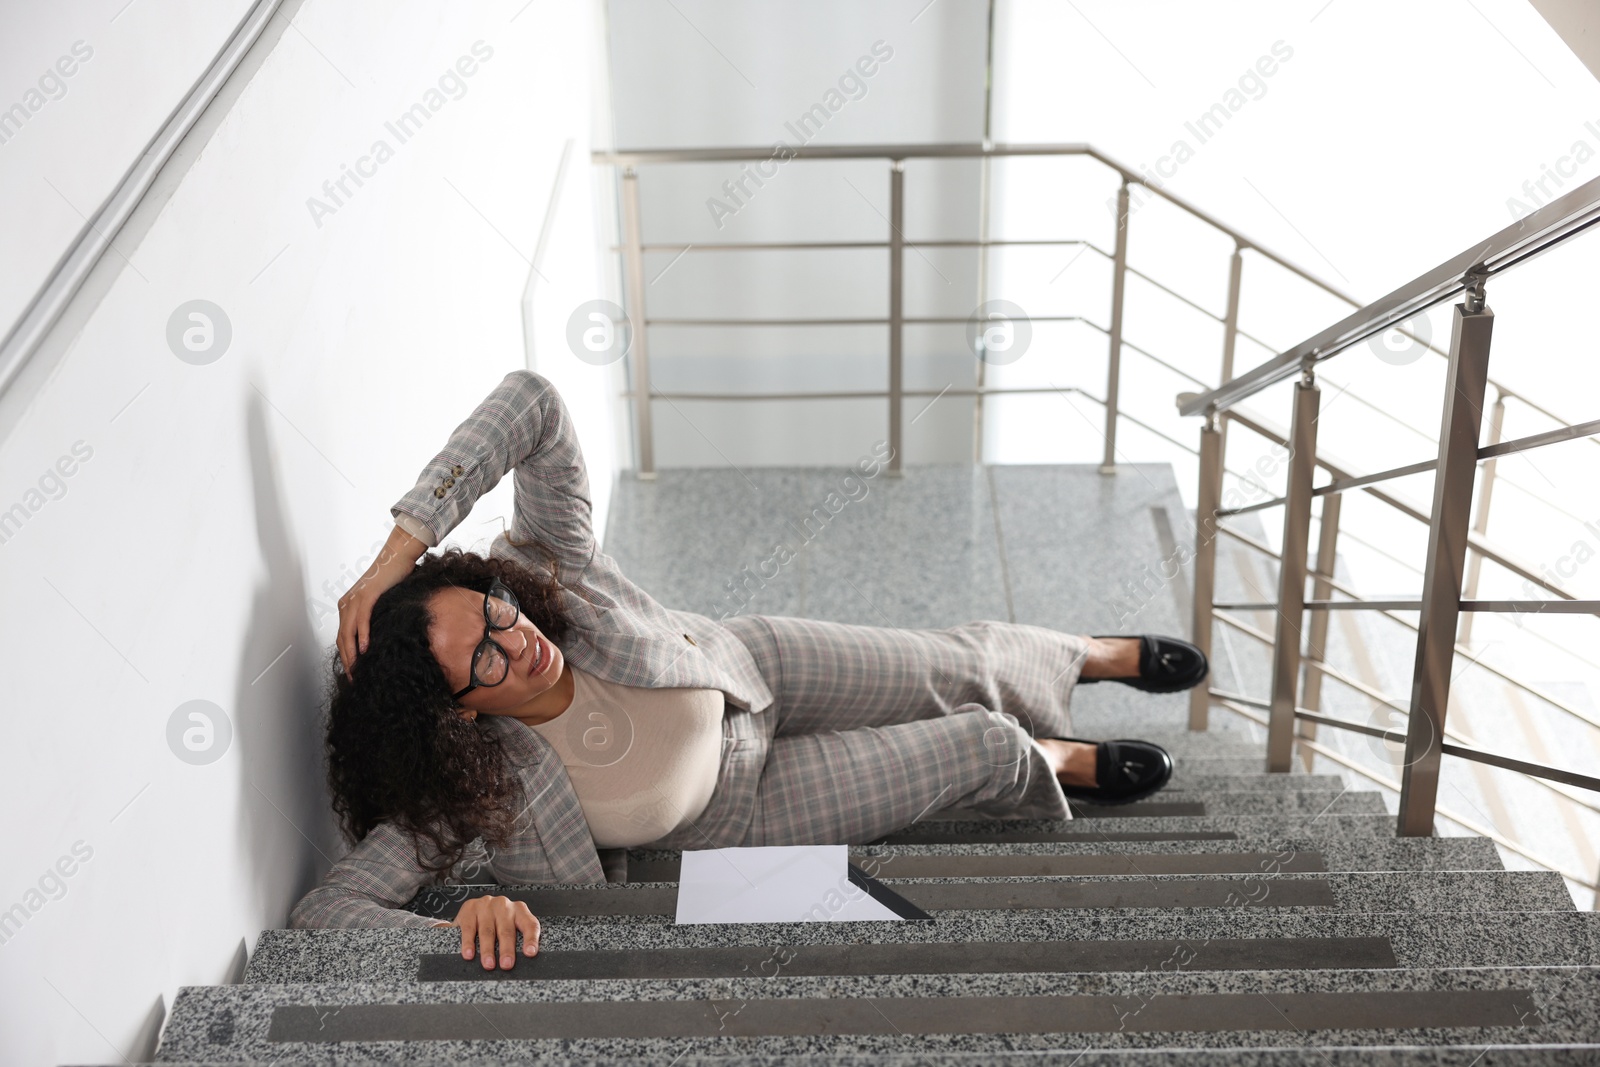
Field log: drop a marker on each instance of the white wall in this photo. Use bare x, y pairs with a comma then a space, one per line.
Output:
702, 73
215, 510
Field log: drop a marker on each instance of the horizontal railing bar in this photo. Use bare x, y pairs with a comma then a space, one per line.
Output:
909, 320
1332, 605
970, 150
1544, 227
1512, 394
1172, 293
1445, 813
1475, 541
1461, 650
1394, 704
1218, 694
1524, 607
1532, 770
1339, 485
1559, 607
754, 153
1392, 734
788, 246
863, 394
1504, 448
1539, 440
1275, 502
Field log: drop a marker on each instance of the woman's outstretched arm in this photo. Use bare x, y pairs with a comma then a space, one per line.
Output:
366, 888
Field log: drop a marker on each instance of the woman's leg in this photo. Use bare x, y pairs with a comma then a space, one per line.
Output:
854, 786
874, 728
836, 676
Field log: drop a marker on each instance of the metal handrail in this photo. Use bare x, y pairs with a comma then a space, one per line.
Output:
1562, 218
1455, 527
1454, 467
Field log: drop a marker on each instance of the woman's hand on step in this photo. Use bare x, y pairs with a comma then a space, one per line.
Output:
489, 921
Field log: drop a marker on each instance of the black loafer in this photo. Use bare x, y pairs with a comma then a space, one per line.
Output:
1166, 664
1125, 770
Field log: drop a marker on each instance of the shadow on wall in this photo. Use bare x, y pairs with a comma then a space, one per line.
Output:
285, 819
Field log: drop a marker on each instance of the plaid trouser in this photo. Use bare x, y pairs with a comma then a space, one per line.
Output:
873, 728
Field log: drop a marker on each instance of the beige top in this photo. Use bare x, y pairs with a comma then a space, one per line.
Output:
643, 762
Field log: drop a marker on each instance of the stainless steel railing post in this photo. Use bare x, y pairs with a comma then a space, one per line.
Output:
1317, 626
897, 246
1230, 325
1466, 381
639, 348
1119, 278
1292, 572
1207, 500
1480, 519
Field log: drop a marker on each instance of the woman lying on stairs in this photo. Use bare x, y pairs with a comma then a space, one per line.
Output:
525, 710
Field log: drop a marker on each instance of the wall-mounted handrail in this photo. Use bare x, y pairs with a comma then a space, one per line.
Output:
1544, 228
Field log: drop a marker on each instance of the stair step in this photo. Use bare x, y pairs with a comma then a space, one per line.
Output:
1054, 941
998, 864
1341, 891
344, 1023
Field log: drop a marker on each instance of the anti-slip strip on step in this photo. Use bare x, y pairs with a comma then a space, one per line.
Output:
983, 957
998, 831
1145, 809
938, 835
1037, 866
949, 896
1204, 1013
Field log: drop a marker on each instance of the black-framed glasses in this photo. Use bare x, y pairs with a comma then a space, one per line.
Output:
490, 664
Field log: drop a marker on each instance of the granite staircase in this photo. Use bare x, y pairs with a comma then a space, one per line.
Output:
1237, 918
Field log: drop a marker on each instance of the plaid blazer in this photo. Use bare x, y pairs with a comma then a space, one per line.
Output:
619, 632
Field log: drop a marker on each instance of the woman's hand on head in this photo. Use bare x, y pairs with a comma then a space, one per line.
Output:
395, 560
487, 921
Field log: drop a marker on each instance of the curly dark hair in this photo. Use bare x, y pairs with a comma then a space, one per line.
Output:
398, 749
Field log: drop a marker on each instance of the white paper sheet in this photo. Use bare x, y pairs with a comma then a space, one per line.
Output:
783, 883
